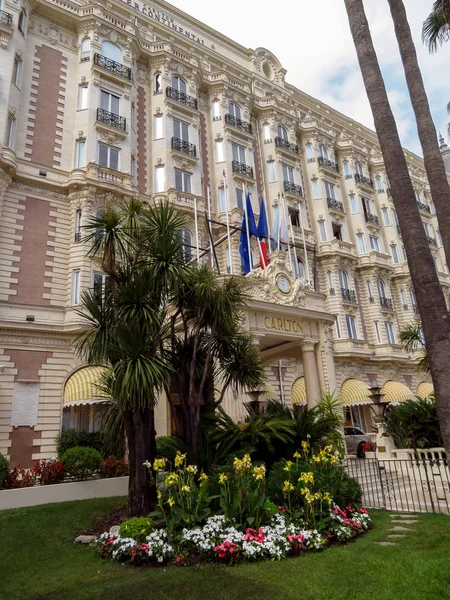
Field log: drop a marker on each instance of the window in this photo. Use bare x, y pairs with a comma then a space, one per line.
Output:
112, 51
82, 103
9, 132
157, 83
346, 166
412, 294
186, 240
160, 179
394, 254
366, 205
108, 156
381, 288
238, 153
181, 130
439, 237
288, 173
403, 299
369, 291
323, 151
78, 225
338, 328
337, 231
322, 231
329, 190
300, 269
271, 171
432, 208
309, 153
377, 332
222, 200
17, 71
351, 327
183, 181
361, 243
374, 243
99, 284
22, 22
179, 84
389, 332
358, 168
109, 102
436, 263
158, 122
216, 110
405, 258
417, 195
353, 205
343, 279
220, 154
427, 228
234, 110
266, 132
385, 213
330, 281
85, 50
293, 214
75, 288
283, 132
378, 184
240, 199
80, 154
315, 188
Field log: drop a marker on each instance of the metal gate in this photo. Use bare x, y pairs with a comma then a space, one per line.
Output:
414, 485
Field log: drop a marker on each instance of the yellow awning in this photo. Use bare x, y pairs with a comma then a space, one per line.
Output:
298, 391
355, 391
82, 387
270, 392
425, 389
396, 392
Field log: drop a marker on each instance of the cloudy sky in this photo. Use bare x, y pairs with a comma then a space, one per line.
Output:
311, 39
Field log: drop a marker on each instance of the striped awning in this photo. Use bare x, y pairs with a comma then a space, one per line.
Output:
82, 387
396, 392
270, 392
298, 391
425, 389
355, 391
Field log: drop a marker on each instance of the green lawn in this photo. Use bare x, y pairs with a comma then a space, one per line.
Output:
39, 561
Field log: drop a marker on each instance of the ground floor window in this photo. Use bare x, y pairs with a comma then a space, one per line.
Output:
82, 418
358, 416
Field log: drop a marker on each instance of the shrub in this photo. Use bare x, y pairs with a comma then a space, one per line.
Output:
81, 463
114, 467
414, 424
167, 446
49, 472
74, 439
20, 478
3, 471
137, 528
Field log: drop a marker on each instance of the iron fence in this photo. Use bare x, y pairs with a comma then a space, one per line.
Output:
417, 484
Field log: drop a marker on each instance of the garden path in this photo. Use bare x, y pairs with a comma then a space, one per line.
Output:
399, 530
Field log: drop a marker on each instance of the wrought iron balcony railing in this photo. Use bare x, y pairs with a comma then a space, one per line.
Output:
332, 291
184, 147
423, 206
335, 205
348, 296
181, 97
282, 143
371, 219
363, 180
328, 164
238, 123
6, 18
112, 65
431, 240
242, 169
109, 118
292, 188
386, 303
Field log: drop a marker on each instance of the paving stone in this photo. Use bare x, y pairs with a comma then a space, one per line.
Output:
400, 516
404, 521
385, 543
398, 528
84, 539
396, 535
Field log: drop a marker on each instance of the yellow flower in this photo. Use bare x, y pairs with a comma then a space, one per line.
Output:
307, 477
317, 496
223, 477
147, 464
259, 472
159, 464
334, 460
288, 465
186, 489
179, 459
296, 454
242, 465
192, 469
171, 479
304, 491
203, 477
288, 487
159, 495
170, 501
305, 445
327, 498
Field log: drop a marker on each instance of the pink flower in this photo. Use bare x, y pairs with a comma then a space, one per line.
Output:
178, 559
133, 553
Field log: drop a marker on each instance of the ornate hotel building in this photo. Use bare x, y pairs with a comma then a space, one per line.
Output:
101, 101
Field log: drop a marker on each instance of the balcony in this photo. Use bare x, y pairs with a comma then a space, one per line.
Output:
431, 240
292, 188
112, 66
386, 304
238, 123
423, 206
285, 145
365, 181
185, 147
6, 18
328, 164
372, 219
335, 205
242, 169
348, 296
109, 118
181, 97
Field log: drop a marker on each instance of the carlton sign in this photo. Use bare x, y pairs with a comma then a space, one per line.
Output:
286, 325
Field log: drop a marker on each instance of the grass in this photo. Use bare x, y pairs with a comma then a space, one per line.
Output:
39, 561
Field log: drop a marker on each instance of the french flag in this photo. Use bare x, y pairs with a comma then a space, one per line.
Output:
263, 233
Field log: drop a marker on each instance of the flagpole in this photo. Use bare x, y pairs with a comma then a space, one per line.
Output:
304, 244
279, 222
208, 197
293, 241
228, 222
283, 200
250, 257
196, 230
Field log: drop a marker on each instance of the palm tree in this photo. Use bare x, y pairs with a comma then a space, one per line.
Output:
436, 27
434, 165
411, 336
430, 298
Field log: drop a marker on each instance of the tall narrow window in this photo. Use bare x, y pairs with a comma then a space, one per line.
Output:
403, 299
369, 291
179, 84
405, 257
109, 102
240, 199
267, 132
323, 151
377, 332
17, 71
108, 156
315, 188
322, 231
389, 332
351, 327
385, 213
238, 153
283, 132
160, 179
157, 83
181, 130
288, 173
271, 171
359, 169
378, 184
222, 200
346, 166
343, 279
439, 238
330, 190
394, 254
361, 243
22, 22
183, 181
299, 269
186, 240
330, 281
234, 110
80, 154
75, 288
353, 204
337, 327
85, 50
412, 295
436, 263
220, 154
374, 243
216, 110
381, 289
82, 103
158, 129
9, 132
78, 225
309, 152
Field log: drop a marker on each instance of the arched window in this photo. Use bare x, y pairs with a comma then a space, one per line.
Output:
234, 110
179, 84
78, 225
22, 21
186, 240
283, 132
343, 279
157, 83
300, 269
85, 50
309, 152
381, 288
99, 230
378, 184
323, 150
346, 169
112, 51
358, 168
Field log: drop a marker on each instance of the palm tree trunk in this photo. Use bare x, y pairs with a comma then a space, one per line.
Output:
430, 298
434, 165
139, 502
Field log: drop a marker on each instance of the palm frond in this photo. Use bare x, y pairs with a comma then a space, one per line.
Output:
436, 27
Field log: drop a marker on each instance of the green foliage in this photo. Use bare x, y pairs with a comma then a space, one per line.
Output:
167, 446
411, 336
414, 424
81, 463
103, 444
3, 471
436, 27
137, 528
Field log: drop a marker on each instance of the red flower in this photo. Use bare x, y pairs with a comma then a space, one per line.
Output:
178, 559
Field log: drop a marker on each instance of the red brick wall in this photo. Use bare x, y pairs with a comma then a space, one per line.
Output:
141, 141
45, 121
33, 253
204, 153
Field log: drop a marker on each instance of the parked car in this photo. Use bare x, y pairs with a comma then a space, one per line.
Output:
356, 439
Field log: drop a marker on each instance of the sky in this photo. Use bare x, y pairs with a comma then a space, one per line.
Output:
312, 40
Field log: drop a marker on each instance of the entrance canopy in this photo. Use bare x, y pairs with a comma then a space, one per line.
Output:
425, 389
396, 392
82, 387
354, 392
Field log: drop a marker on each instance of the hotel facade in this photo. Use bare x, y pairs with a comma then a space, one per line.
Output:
101, 102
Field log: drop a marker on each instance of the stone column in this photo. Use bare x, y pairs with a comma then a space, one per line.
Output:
311, 373
5, 181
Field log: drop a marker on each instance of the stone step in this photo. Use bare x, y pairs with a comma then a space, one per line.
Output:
396, 535
385, 543
404, 521
398, 528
